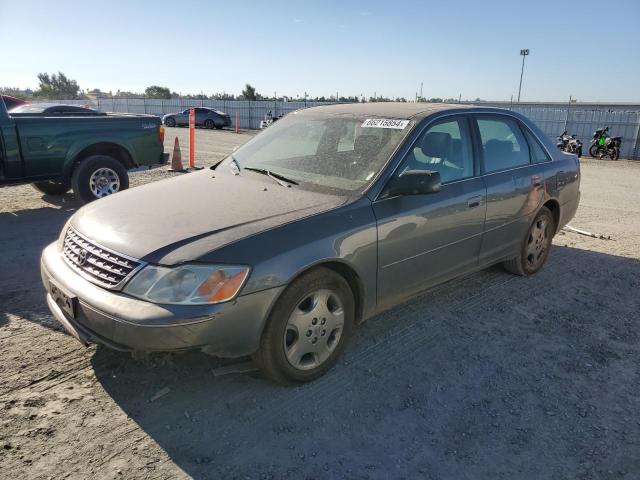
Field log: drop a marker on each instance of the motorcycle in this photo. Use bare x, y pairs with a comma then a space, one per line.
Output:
569, 143
268, 120
602, 145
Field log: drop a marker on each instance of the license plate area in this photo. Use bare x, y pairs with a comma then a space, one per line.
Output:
66, 301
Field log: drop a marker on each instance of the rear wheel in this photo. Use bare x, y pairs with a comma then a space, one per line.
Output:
614, 153
98, 176
170, 122
308, 328
209, 124
535, 246
53, 187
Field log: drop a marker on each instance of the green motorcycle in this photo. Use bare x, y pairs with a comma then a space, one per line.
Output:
602, 145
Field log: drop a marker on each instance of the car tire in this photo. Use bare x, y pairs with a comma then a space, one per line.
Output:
208, 123
53, 187
307, 329
98, 176
535, 246
170, 122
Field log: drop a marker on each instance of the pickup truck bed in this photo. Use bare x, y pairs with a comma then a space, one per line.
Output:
50, 151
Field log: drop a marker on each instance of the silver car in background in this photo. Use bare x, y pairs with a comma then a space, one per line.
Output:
205, 117
324, 219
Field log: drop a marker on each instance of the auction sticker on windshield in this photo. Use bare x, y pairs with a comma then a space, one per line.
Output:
385, 123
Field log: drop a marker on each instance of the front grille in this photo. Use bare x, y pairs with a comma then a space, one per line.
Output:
97, 264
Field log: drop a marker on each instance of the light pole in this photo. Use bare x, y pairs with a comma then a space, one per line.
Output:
524, 52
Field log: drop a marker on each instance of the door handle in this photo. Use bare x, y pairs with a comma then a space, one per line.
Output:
536, 181
474, 201
561, 179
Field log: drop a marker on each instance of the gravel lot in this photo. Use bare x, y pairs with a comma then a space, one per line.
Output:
490, 376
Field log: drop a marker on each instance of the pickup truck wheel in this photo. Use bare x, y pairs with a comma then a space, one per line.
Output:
535, 246
53, 187
98, 176
307, 329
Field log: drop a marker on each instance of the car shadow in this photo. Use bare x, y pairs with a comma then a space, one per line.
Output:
458, 383
23, 236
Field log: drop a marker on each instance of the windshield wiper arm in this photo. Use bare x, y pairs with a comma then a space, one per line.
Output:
281, 179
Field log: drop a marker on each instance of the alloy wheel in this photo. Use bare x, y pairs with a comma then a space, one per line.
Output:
314, 329
103, 182
537, 243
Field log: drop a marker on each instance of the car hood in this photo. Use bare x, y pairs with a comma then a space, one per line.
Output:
181, 219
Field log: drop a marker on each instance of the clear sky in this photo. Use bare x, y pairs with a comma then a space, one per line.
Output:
587, 49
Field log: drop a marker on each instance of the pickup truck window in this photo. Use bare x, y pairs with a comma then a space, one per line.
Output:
503, 144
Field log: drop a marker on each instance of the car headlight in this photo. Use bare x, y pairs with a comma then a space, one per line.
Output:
188, 284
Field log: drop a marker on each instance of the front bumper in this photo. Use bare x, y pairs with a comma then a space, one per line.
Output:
111, 318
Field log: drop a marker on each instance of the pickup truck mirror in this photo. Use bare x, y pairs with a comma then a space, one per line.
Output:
415, 182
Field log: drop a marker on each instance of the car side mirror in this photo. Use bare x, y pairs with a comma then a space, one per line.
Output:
415, 182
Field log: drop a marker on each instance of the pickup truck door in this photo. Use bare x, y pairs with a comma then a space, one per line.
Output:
515, 185
426, 239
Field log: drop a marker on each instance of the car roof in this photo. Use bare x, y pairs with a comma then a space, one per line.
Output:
408, 110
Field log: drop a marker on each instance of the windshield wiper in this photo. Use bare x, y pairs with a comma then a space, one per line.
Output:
281, 179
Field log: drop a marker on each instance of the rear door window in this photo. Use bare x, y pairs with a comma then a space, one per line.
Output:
538, 155
503, 144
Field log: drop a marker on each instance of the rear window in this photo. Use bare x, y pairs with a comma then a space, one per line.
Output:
27, 109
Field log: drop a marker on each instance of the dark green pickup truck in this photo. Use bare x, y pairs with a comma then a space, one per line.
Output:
89, 153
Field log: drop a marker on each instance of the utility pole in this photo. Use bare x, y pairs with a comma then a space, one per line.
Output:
421, 89
524, 52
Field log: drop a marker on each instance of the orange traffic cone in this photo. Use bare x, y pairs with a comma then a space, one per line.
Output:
176, 158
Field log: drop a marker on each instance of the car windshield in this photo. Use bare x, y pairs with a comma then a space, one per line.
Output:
323, 152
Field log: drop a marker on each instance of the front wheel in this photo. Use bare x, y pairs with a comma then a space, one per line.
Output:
98, 176
593, 151
53, 187
209, 124
535, 247
308, 328
170, 122
579, 152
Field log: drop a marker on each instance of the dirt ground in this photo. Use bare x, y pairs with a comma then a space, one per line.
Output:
488, 377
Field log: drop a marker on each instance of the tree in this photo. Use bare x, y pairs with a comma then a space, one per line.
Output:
249, 93
155, 91
57, 87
